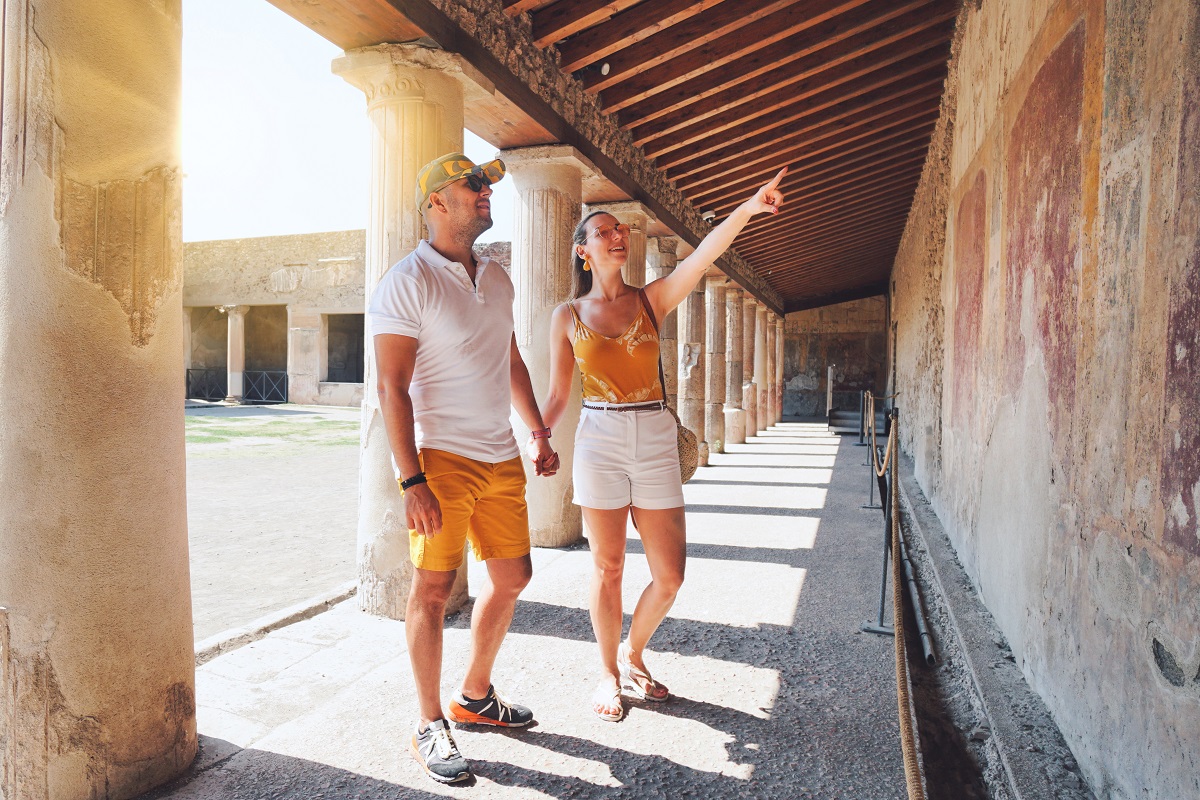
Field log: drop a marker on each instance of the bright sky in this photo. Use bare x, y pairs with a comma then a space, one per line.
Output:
273, 141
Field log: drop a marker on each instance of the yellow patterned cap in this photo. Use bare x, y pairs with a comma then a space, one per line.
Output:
446, 169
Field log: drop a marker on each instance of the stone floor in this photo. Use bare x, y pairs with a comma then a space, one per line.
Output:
777, 693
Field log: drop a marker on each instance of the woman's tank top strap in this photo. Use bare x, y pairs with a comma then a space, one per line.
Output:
620, 369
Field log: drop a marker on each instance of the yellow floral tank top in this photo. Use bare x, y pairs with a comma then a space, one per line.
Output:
622, 369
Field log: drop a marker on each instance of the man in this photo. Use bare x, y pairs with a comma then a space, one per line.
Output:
448, 370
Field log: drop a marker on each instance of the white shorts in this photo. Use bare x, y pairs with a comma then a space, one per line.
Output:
627, 458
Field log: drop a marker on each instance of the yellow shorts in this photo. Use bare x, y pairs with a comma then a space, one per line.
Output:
481, 503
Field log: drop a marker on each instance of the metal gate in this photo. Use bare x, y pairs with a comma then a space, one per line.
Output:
265, 387
206, 384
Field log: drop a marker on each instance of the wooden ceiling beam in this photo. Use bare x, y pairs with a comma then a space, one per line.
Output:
826, 276
921, 99
856, 236
894, 145
626, 28
767, 245
833, 299
683, 50
882, 185
870, 146
811, 46
514, 7
862, 30
558, 20
812, 96
807, 190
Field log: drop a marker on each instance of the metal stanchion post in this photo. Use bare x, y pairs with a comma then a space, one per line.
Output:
862, 419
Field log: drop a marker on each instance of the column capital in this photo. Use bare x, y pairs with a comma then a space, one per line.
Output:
718, 279
234, 311
525, 158
390, 72
668, 245
733, 293
623, 209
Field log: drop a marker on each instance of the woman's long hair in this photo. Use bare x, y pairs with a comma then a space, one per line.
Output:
581, 280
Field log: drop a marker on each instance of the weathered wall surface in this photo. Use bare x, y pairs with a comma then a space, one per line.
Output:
850, 336
316, 270
1046, 301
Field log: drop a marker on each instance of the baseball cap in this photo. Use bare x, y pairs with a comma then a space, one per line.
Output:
446, 169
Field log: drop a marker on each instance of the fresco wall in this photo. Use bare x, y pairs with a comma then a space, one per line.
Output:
1047, 306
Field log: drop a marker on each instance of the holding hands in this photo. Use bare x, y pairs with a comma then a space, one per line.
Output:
545, 460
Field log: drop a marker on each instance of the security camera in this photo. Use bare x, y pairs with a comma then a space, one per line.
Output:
708, 216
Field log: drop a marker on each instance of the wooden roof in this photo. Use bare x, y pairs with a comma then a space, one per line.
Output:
720, 93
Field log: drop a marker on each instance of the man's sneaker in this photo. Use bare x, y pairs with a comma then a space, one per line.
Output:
491, 710
435, 750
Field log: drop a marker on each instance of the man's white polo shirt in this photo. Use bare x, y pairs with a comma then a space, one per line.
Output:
460, 386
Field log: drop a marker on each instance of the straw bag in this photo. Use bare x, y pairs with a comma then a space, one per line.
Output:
689, 451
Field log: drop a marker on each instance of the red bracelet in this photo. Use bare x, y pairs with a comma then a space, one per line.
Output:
544, 433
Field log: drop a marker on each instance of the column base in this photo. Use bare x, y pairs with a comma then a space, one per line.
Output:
702, 453
735, 426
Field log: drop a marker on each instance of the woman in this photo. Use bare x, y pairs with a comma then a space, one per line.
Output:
626, 458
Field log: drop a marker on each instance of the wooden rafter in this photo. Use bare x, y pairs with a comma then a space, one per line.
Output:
558, 20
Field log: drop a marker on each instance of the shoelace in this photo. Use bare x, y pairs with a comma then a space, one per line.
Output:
444, 744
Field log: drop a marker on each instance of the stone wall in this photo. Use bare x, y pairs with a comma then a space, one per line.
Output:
1046, 300
852, 337
318, 270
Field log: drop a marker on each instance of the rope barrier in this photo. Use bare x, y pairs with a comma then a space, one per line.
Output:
913, 774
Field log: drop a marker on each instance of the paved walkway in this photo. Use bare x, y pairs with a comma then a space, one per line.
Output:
777, 694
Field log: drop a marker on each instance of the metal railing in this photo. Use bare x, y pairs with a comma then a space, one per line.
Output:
206, 384
261, 386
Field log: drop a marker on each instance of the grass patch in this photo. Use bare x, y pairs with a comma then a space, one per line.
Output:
255, 431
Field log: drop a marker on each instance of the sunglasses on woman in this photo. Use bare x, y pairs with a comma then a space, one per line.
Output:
607, 231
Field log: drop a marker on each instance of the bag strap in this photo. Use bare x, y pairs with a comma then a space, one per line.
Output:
662, 379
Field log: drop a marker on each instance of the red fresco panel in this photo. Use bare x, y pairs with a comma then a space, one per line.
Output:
1181, 433
1043, 184
970, 238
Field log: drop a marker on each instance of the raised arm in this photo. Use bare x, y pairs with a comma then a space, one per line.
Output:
562, 366
667, 293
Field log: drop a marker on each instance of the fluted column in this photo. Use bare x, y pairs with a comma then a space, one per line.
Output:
760, 364
749, 387
691, 367
235, 352
714, 348
772, 332
779, 351
637, 217
660, 262
415, 105
549, 182
735, 415
97, 660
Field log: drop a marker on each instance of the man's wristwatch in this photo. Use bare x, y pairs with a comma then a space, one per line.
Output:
408, 483
544, 433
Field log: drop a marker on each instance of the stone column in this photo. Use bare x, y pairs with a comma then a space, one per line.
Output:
97, 661
660, 262
549, 182
760, 364
749, 387
307, 342
735, 415
235, 352
691, 367
415, 105
779, 349
772, 330
714, 346
187, 339
637, 217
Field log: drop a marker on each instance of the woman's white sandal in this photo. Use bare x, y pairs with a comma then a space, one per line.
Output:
612, 702
633, 678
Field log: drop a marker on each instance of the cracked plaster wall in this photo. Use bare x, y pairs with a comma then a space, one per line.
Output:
1046, 300
96, 661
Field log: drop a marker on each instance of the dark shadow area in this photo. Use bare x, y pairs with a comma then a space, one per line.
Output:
227, 771
794, 557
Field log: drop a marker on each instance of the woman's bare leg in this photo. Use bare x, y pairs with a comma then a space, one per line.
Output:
606, 537
664, 540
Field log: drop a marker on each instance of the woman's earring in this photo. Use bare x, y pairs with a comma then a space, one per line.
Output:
587, 265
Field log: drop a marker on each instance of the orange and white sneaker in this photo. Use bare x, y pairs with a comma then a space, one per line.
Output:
491, 710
